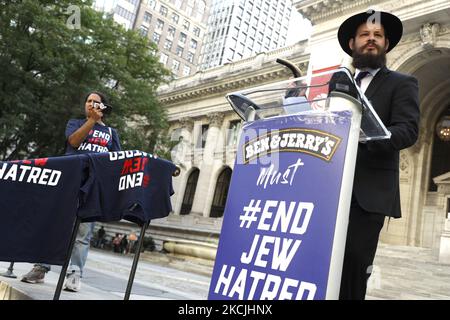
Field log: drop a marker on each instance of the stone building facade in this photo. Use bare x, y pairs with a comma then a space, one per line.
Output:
199, 112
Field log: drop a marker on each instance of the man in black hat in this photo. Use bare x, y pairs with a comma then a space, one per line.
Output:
367, 37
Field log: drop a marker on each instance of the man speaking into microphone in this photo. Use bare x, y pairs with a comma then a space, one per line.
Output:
367, 37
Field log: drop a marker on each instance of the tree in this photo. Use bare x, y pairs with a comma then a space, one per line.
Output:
49, 63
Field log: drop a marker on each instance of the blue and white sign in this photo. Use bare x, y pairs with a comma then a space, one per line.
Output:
279, 222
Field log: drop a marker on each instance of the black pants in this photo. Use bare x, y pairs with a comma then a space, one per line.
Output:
362, 239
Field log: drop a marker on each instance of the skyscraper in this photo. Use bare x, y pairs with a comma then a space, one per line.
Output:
123, 11
177, 27
238, 29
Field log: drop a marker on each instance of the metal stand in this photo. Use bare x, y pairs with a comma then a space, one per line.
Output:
9, 273
137, 253
62, 275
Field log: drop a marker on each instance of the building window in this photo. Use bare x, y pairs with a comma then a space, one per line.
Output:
186, 25
240, 12
229, 54
186, 71
147, 17
163, 11
197, 31
179, 51
124, 13
248, 16
189, 192
156, 37
175, 66
175, 17
235, 32
201, 139
151, 4
163, 58
278, 26
245, 27
168, 45
190, 57
143, 31
170, 32
260, 37
233, 132
240, 47
182, 39
193, 44
221, 193
159, 24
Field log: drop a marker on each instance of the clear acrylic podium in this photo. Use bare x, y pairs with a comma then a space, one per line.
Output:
323, 96
317, 93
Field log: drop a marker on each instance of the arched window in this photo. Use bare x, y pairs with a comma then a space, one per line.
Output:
189, 193
190, 7
440, 162
201, 7
221, 193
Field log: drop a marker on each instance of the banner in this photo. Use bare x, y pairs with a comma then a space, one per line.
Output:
278, 229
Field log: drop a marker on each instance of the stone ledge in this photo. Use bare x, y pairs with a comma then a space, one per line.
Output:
7, 292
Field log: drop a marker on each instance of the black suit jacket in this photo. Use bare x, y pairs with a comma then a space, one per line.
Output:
395, 98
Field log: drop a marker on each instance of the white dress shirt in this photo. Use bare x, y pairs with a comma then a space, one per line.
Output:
367, 79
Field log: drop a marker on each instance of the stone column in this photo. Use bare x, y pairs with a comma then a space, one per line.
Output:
187, 126
204, 194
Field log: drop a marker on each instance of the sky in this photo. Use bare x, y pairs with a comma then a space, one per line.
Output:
299, 28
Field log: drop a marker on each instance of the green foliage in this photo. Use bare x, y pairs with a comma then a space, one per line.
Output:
47, 68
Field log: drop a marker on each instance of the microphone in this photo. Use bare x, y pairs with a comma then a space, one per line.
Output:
243, 106
250, 114
341, 82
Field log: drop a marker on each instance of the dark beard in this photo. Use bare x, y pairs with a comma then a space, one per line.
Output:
361, 61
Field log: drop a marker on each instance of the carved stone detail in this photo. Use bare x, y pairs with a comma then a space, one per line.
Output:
276, 74
215, 119
404, 163
428, 34
187, 123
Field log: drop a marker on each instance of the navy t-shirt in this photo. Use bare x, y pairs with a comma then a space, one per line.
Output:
38, 207
100, 138
131, 185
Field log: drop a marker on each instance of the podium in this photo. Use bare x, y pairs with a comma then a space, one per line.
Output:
285, 221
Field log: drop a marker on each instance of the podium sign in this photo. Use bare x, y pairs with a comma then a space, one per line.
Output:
278, 232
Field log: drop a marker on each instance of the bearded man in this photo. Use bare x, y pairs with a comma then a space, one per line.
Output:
367, 37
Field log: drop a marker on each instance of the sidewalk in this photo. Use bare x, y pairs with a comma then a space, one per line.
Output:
408, 273
105, 278
400, 273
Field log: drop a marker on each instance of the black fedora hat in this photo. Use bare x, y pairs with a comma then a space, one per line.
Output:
393, 28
